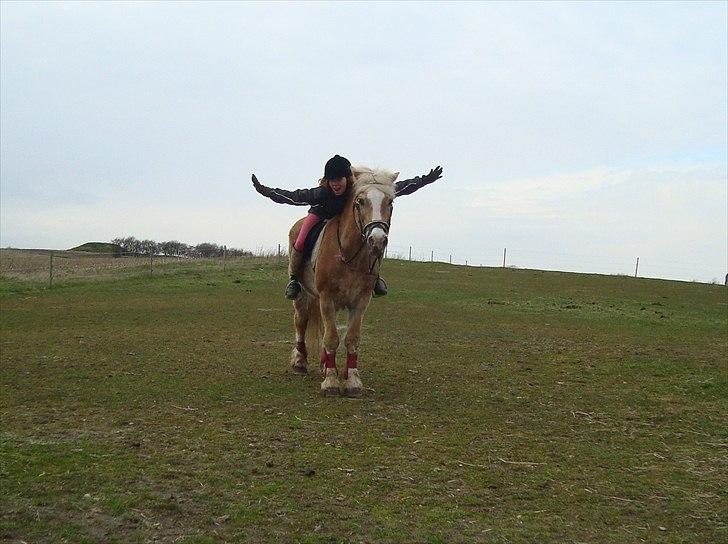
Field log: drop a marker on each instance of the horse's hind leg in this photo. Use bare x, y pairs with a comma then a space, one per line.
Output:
299, 355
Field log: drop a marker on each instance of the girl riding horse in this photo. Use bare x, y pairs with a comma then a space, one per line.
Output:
327, 201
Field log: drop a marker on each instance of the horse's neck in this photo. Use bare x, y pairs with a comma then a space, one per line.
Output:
352, 242
348, 230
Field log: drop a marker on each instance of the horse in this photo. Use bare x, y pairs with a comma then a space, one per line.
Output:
340, 275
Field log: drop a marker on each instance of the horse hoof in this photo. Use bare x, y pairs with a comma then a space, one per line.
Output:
331, 392
353, 392
300, 370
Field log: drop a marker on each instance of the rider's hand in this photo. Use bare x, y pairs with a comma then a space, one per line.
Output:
434, 175
260, 188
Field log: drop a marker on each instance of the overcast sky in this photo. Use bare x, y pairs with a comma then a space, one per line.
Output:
578, 135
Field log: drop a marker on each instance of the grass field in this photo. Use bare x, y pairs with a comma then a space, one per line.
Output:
502, 406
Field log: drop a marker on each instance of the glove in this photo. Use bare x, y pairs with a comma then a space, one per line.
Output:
434, 175
265, 191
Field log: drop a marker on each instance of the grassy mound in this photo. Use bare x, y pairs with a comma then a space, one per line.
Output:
98, 247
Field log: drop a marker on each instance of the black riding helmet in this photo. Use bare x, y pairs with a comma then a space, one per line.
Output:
337, 167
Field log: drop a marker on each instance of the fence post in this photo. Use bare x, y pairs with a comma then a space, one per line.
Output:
410, 255
50, 272
636, 266
504, 257
151, 264
224, 256
279, 253
432, 256
450, 258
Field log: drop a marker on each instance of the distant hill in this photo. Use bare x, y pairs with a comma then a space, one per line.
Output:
99, 247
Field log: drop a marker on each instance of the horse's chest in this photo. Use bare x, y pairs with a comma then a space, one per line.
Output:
351, 290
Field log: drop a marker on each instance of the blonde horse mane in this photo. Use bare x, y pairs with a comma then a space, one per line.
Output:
366, 177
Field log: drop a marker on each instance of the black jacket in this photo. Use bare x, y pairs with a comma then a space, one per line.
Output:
325, 204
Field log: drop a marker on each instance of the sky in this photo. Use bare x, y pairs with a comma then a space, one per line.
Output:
578, 136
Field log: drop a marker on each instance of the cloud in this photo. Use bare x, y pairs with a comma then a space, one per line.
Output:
573, 195
231, 223
541, 197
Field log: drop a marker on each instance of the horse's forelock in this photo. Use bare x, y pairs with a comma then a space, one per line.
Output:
366, 177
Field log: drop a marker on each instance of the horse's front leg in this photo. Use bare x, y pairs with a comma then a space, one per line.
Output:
330, 385
352, 383
299, 355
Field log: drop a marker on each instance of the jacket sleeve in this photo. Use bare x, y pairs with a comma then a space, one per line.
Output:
299, 197
409, 186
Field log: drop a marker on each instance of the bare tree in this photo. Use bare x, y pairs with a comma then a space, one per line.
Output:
128, 244
148, 247
208, 249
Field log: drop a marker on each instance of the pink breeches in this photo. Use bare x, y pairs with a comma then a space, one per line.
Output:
310, 220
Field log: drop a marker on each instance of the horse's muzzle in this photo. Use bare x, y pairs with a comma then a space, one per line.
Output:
376, 233
377, 241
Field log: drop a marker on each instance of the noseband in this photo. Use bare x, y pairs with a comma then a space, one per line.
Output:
366, 230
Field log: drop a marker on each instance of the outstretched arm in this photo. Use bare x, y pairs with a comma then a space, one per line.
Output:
300, 197
409, 186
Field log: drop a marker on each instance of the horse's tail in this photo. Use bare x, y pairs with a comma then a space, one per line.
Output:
314, 329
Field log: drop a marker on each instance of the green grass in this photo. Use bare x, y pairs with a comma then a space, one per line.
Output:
502, 406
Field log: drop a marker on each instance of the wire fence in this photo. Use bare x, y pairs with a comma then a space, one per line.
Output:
562, 261
54, 266
49, 266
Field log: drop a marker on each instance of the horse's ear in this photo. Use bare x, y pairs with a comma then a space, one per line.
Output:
395, 176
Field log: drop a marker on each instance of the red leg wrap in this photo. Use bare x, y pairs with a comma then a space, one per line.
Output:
301, 347
329, 359
351, 362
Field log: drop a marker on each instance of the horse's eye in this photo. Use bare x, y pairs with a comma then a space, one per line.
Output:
357, 203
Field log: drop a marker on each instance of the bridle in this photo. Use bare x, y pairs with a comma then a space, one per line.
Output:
365, 231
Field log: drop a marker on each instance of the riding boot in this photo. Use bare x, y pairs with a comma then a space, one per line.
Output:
380, 287
295, 260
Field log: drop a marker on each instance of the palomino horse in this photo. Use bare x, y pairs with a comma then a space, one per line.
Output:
340, 276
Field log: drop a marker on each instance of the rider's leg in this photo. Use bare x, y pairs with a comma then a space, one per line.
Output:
295, 260
380, 287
